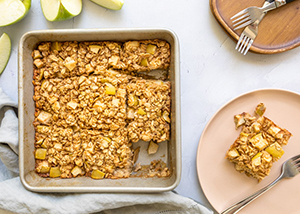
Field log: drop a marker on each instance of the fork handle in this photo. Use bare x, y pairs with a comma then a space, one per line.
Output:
288, 1
241, 204
282, 2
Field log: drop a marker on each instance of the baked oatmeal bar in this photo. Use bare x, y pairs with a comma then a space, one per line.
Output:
69, 59
146, 55
258, 145
103, 55
67, 153
148, 110
55, 60
97, 101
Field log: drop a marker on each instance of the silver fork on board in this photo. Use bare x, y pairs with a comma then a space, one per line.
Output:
251, 14
249, 34
290, 168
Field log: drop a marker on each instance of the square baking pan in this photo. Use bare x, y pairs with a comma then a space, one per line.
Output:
169, 152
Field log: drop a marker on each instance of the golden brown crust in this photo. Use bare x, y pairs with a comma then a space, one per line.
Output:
81, 107
258, 145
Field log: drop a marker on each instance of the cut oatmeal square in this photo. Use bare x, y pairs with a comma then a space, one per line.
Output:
148, 110
67, 153
258, 145
96, 101
94, 56
146, 55
55, 60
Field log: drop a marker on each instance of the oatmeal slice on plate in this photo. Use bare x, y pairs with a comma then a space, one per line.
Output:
258, 145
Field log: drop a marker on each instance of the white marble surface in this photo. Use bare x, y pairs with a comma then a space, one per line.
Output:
212, 72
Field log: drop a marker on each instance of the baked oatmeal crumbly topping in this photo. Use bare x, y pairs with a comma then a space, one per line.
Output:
148, 110
88, 109
146, 55
258, 145
69, 59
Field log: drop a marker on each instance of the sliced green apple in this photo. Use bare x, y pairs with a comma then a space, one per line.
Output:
12, 11
5, 48
110, 4
59, 10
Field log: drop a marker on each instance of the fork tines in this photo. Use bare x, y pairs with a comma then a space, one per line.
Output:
296, 159
244, 44
241, 19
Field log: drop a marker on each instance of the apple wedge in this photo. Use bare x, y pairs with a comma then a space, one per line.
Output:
12, 11
5, 48
110, 4
59, 10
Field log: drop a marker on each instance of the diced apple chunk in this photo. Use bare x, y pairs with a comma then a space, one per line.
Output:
72, 104
76, 171
56, 46
94, 48
107, 139
70, 63
152, 147
56, 106
273, 130
256, 127
44, 117
233, 153
141, 111
43, 167
275, 150
151, 49
260, 109
244, 137
97, 174
110, 89
132, 100
54, 172
133, 44
38, 63
136, 153
130, 113
37, 54
256, 160
166, 116
113, 60
81, 79
39, 142
40, 153
239, 120
259, 142
144, 62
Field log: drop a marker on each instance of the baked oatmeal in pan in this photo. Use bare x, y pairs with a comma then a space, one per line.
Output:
90, 107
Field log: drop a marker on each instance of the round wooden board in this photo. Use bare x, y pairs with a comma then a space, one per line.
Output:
279, 31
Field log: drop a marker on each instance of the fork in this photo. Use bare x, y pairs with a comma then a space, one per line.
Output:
251, 14
249, 34
290, 168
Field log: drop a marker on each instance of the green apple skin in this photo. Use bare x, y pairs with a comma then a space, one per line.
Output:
110, 4
62, 15
27, 4
6, 52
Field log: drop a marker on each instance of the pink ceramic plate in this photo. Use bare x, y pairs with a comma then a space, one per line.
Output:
221, 183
